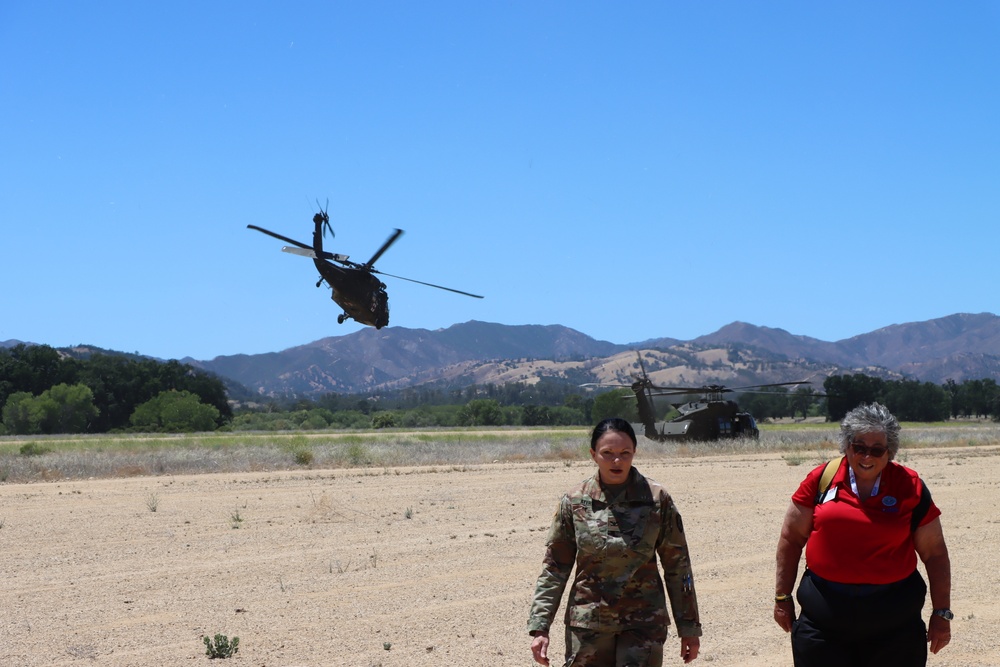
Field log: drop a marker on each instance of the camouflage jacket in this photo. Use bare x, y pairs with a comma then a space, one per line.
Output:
614, 543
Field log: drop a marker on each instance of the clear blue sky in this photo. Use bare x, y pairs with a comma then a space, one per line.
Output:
630, 170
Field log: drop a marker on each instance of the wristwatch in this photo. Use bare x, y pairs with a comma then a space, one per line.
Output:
944, 613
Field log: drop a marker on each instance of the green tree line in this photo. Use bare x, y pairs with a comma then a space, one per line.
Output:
912, 400
43, 391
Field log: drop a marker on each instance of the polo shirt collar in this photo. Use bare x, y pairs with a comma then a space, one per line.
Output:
854, 483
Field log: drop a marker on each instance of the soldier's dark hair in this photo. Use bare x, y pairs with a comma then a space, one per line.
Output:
612, 424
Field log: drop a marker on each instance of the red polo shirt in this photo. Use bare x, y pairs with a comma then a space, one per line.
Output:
863, 542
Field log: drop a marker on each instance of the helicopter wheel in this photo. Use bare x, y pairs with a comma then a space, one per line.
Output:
341, 318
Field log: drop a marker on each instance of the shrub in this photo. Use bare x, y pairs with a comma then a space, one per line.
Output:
34, 449
358, 455
383, 420
222, 647
175, 411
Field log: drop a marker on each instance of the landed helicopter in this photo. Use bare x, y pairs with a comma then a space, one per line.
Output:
354, 286
710, 417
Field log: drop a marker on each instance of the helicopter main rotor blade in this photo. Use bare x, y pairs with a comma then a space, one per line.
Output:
305, 252
385, 246
719, 389
762, 386
680, 390
280, 237
420, 282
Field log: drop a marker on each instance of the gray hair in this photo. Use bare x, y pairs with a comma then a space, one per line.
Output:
873, 418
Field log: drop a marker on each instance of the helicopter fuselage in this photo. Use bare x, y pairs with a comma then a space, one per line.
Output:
704, 420
359, 293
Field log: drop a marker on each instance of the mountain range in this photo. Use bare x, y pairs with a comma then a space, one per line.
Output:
958, 347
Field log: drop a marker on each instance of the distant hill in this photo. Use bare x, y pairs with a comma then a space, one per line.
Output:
958, 347
396, 357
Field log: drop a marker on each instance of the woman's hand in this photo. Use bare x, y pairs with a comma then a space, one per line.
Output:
784, 614
938, 633
540, 648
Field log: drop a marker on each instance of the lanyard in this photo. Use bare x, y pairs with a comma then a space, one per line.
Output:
854, 483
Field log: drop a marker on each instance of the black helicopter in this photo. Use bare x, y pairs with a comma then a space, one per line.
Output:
354, 286
710, 417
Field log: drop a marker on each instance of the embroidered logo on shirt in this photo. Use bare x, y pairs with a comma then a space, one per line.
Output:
889, 501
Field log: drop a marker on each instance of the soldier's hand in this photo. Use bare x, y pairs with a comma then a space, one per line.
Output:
540, 648
689, 648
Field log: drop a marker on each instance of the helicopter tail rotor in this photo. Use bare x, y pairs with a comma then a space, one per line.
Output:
324, 217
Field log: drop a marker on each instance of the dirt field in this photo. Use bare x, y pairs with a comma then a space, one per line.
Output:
409, 566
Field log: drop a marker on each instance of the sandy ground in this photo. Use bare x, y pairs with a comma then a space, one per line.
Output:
409, 566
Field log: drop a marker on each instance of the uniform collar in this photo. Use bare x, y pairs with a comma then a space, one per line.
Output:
636, 487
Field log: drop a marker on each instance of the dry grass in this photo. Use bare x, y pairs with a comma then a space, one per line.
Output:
86, 457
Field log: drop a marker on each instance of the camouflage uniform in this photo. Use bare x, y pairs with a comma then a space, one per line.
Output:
617, 594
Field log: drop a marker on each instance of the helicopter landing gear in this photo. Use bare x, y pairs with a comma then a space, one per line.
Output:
341, 318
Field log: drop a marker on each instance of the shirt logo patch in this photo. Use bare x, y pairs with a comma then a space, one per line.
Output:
889, 501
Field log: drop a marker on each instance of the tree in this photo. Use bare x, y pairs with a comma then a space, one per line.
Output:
911, 400
175, 411
846, 392
615, 403
481, 412
536, 415
17, 413
66, 409
770, 403
32, 369
62, 409
584, 405
383, 419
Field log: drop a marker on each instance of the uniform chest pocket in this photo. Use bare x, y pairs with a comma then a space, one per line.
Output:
622, 526
590, 525
642, 528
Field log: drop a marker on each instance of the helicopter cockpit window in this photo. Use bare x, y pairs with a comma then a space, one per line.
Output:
725, 426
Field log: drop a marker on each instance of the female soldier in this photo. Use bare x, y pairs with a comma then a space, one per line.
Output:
863, 524
612, 526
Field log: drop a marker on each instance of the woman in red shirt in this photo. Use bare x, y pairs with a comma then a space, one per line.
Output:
861, 595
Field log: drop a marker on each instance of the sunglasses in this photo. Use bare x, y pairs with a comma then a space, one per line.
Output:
874, 452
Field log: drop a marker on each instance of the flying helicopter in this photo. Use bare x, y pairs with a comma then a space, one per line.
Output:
709, 417
353, 286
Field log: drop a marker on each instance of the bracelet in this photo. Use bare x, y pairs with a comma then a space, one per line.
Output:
784, 597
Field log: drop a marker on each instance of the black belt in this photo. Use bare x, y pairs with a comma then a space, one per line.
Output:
854, 590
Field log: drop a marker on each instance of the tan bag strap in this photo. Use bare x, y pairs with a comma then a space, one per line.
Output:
827, 477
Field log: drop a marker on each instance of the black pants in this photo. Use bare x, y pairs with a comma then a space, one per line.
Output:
859, 626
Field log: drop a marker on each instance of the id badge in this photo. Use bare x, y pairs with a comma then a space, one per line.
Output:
831, 494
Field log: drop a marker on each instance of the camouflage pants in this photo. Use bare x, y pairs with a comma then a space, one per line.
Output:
633, 648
